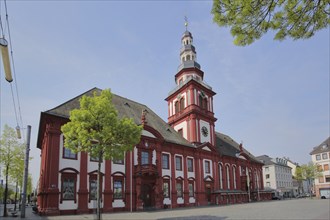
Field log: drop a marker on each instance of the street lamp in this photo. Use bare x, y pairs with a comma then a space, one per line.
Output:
5, 59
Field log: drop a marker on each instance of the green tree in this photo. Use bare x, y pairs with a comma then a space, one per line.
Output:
250, 19
95, 128
16, 172
10, 148
308, 172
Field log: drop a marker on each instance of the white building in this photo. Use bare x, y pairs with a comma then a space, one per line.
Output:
277, 175
299, 187
321, 157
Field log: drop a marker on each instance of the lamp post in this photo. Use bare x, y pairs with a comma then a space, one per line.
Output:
26, 171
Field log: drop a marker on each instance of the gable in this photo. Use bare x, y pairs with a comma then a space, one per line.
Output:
206, 148
148, 134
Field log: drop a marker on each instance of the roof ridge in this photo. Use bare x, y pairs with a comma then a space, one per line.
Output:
95, 88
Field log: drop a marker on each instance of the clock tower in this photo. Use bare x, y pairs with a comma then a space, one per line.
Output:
190, 103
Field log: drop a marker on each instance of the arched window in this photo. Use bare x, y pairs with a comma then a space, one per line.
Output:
176, 106
220, 176
188, 57
234, 176
181, 104
228, 177
205, 103
200, 101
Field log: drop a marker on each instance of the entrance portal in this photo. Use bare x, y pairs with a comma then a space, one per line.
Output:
147, 196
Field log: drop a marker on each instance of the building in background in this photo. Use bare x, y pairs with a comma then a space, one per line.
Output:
321, 157
182, 163
299, 186
277, 176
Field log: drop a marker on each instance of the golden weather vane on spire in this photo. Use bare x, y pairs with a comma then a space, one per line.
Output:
186, 22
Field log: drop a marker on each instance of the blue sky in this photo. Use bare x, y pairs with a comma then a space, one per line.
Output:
273, 96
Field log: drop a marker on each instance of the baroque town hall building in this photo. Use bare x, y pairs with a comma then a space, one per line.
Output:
182, 163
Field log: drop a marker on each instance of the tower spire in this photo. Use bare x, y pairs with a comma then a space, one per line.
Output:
186, 22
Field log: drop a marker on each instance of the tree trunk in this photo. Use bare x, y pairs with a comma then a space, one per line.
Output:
16, 195
98, 189
5, 214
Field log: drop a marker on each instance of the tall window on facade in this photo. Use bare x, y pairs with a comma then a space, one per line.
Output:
202, 102
207, 166
327, 178
324, 156
176, 107
92, 187
67, 153
178, 163
234, 177
144, 158
326, 167
190, 163
205, 103
179, 189
200, 99
318, 157
68, 187
191, 188
228, 177
165, 161
118, 189
220, 177
181, 104
94, 159
166, 188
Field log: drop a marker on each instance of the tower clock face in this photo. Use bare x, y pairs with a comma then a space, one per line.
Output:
205, 132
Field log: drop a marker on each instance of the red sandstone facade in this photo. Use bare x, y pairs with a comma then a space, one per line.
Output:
179, 164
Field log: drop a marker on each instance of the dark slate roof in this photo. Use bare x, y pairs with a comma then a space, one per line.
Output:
227, 146
266, 159
323, 147
269, 161
189, 64
126, 108
187, 34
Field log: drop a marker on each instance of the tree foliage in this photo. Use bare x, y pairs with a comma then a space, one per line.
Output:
96, 127
11, 152
250, 19
308, 171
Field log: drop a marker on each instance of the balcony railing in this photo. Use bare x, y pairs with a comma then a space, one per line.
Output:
146, 169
